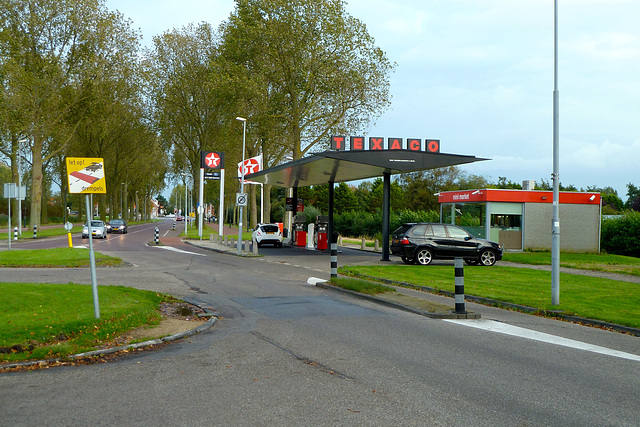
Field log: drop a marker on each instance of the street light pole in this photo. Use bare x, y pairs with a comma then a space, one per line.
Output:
121, 197
184, 215
240, 212
555, 228
20, 141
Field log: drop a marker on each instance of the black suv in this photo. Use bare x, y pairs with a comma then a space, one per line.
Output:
420, 243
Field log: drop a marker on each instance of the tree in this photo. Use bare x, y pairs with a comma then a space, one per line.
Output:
192, 101
633, 197
317, 68
423, 187
49, 49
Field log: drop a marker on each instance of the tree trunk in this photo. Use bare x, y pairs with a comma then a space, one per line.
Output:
254, 206
267, 203
36, 182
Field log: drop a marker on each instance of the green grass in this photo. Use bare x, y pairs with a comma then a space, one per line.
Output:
596, 262
591, 297
362, 286
43, 232
58, 257
58, 320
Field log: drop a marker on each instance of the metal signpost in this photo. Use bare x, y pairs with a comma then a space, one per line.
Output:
86, 176
9, 193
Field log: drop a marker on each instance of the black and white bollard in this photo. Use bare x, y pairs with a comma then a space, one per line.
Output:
459, 294
157, 236
15, 233
35, 231
174, 225
334, 255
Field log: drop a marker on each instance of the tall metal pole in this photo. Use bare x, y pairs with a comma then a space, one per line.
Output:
555, 230
244, 132
186, 205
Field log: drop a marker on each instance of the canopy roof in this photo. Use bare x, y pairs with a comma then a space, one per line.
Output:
342, 166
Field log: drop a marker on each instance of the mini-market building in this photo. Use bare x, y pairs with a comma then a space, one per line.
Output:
521, 219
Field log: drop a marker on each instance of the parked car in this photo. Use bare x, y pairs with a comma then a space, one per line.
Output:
267, 233
117, 226
98, 229
421, 243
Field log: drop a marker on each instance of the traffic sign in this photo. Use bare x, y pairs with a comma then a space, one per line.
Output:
86, 175
241, 199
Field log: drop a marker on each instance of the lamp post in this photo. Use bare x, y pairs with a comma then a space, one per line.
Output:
184, 215
20, 188
121, 197
555, 227
240, 212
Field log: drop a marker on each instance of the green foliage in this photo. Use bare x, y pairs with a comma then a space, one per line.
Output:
356, 224
622, 235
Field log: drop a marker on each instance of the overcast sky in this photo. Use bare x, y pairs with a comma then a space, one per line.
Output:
478, 75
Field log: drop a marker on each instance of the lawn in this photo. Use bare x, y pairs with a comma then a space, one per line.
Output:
596, 262
41, 321
59, 257
591, 297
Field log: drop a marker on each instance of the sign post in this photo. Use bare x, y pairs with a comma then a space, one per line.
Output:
9, 193
86, 176
212, 167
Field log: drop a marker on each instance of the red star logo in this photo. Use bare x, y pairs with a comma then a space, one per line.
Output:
213, 160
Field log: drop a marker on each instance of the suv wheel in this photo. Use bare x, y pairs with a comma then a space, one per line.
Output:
408, 260
424, 256
488, 257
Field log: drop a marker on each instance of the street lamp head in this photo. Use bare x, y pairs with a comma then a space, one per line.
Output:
242, 119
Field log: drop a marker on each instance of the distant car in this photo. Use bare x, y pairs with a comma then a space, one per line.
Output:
117, 226
98, 229
179, 218
267, 234
170, 215
421, 243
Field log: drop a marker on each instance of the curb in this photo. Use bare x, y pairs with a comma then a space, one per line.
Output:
516, 307
112, 350
440, 315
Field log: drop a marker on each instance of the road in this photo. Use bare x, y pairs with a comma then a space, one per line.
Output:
286, 353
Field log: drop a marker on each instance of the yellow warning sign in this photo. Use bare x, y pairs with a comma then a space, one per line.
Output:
86, 175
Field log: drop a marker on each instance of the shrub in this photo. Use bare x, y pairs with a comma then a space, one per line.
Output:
621, 236
356, 224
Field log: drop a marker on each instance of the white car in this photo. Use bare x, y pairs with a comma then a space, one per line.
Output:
98, 229
269, 234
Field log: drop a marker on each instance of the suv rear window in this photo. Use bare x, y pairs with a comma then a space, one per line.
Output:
402, 229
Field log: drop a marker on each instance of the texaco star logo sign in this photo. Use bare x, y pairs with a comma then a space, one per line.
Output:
251, 166
212, 160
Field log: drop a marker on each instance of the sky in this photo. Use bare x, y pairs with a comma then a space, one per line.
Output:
479, 76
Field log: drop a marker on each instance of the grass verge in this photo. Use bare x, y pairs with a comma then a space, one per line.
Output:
595, 262
362, 286
584, 296
43, 321
58, 257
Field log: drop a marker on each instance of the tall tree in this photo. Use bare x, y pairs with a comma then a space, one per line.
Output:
317, 68
191, 97
49, 49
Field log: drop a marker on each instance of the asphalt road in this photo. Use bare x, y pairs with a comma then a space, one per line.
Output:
286, 353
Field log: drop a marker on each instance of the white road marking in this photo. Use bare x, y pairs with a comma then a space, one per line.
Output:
503, 328
171, 248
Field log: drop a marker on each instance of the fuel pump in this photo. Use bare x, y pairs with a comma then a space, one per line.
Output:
298, 227
322, 230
